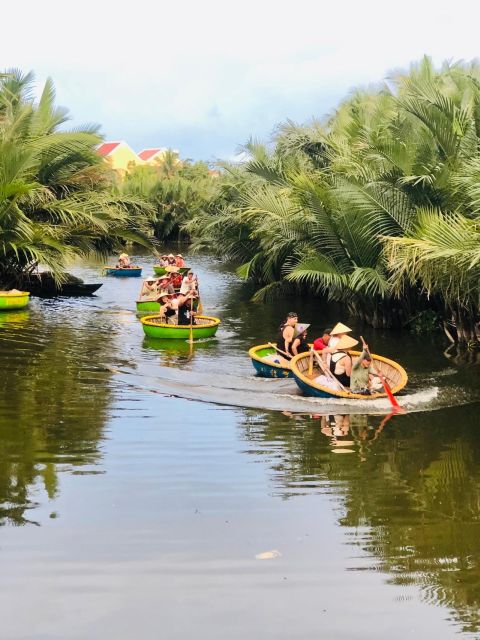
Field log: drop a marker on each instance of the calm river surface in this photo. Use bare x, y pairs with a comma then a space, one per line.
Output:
149, 491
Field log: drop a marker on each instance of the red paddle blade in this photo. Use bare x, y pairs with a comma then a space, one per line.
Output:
391, 397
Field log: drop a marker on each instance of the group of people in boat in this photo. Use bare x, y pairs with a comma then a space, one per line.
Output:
339, 370
178, 295
171, 261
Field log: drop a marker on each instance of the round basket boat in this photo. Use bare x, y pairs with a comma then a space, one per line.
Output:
148, 306
161, 271
205, 327
10, 300
131, 272
268, 364
395, 375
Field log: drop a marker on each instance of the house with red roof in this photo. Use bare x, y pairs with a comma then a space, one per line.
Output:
120, 156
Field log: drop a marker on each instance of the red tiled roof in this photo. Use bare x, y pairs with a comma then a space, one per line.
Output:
146, 154
106, 148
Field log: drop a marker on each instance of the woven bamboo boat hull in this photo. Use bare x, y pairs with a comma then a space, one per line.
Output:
265, 368
148, 306
11, 301
394, 373
206, 327
134, 272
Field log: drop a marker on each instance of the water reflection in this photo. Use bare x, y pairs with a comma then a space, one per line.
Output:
54, 398
410, 497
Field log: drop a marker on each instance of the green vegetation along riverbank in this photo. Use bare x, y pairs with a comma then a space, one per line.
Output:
376, 208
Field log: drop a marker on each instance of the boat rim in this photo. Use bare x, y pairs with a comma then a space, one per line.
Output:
10, 294
253, 355
213, 322
123, 268
346, 394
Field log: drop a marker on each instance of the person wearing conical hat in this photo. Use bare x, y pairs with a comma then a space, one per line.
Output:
338, 331
299, 344
340, 361
179, 261
171, 259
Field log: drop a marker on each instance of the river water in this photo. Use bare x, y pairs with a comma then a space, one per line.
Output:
150, 490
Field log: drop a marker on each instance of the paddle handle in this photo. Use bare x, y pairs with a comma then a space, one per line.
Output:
328, 373
284, 353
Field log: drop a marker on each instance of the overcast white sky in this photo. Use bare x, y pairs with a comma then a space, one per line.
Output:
202, 76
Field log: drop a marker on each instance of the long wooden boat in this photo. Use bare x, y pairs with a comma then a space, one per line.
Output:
395, 375
10, 300
131, 272
264, 360
161, 271
205, 327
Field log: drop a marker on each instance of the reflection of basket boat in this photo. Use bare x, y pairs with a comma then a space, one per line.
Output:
205, 327
263, 359
394, 373
14, 299
131, 272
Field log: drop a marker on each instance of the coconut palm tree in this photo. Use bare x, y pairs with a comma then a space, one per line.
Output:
56, 197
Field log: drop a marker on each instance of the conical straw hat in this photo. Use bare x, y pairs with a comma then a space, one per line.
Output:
345, 342
172, 269
339, 328
300, 328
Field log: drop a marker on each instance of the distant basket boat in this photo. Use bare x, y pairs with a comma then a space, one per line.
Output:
395, 375
161, 271
10, 300
268, 363
205, 327
131, 272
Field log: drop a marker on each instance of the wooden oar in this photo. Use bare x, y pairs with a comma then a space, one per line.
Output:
190, 340
388, 391
284, 353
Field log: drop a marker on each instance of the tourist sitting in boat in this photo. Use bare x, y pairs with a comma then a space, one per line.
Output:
362, 373
150, 287
340, 361
171, 260
168, 307
165, 284
299, 344
338, 331
323, 342
286, 334
123, 261
163, 262
189, 283
176, 279
179, 261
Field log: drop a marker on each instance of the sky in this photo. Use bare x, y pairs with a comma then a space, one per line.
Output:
202, 77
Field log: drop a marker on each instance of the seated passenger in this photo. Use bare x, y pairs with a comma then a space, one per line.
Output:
299, 344
362, 373
338, 331
185, 309
179, 261
340, 361
171, 260
165, 284
123, 261
189, 283
323, 342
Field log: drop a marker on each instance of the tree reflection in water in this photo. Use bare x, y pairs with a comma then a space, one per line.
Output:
411, 492
54, 396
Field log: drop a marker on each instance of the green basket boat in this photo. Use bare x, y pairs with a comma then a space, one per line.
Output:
161, 271
148, 306
10, 300
206, 327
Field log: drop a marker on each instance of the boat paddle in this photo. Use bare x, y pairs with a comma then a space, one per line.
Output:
328, 373
190, 339
388, 391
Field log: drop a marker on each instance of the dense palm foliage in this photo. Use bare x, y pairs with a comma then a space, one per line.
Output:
56, 196
176, 189
378, 207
